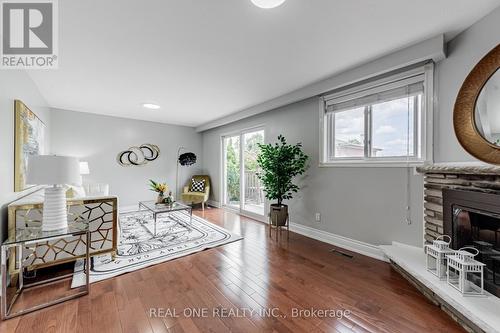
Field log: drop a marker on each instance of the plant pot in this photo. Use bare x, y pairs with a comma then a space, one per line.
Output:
160, 199
278, 215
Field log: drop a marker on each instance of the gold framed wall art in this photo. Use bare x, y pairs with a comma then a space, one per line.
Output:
29, 139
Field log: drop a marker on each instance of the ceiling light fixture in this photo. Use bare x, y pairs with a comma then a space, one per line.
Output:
151, 106
266, 4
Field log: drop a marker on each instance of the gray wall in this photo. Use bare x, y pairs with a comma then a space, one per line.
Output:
98, 139
15, 84
366, 204
464, 52
362, 203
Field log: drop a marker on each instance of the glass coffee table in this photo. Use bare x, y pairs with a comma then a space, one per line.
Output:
157, 209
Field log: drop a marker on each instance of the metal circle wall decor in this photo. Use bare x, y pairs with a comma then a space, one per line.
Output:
138, 155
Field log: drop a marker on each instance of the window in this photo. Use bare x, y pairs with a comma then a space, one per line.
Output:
379, 122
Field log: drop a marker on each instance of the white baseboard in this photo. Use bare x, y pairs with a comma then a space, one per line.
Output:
259, 218
350, 244
214, 203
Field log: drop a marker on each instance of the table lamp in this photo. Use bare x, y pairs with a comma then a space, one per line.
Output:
56, 171
84, 168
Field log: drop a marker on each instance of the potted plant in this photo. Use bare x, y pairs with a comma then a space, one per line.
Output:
159, 188
279, 164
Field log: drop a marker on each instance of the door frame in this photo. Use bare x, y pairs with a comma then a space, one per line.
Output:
222, 191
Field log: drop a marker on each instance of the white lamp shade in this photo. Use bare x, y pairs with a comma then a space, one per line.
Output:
84, 168
53, 170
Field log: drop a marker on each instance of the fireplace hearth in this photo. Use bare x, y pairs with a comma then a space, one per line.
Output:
472, 219
461, 200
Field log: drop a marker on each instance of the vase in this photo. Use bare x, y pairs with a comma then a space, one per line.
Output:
160, 198
278, 215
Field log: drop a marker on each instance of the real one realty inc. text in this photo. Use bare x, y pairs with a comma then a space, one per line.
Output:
223, 312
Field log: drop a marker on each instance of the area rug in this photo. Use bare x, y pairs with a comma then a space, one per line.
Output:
177, 235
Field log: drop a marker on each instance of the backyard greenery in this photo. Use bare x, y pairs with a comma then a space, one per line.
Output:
250, 152
233, 170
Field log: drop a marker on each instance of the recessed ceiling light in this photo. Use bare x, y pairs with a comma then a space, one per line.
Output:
151, 106
267, 3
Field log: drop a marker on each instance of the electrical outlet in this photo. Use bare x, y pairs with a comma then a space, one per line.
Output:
318, 217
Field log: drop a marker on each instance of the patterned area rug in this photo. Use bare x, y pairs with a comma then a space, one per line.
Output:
176, 236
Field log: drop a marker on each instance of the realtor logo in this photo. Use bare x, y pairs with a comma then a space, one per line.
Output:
29, 32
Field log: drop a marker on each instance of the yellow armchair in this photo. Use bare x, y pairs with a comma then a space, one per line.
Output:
196, 197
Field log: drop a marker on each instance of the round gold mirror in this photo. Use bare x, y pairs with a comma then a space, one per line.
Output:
476, 117
487, 110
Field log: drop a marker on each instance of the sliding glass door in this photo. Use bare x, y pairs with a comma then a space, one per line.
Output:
242, 188
232, 171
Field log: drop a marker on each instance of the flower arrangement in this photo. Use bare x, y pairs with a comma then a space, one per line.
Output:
159, 188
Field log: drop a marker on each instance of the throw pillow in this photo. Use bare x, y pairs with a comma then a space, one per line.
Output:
197, 185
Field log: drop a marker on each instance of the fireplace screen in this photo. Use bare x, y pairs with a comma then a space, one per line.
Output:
481, 230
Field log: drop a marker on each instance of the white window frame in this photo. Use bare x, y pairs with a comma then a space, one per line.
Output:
365, 89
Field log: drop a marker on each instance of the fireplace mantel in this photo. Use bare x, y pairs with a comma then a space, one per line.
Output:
460, 168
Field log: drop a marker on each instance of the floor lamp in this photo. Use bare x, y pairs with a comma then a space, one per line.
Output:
185, 159
177, 172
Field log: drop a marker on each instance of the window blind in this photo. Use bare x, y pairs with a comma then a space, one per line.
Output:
381, 93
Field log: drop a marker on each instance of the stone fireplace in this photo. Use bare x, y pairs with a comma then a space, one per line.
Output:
477, 178
472, 219
461, 200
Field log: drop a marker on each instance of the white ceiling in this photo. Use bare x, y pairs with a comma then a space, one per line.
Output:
204, 59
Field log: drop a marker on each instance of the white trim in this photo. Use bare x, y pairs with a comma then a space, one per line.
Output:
372, 164
214, 203
231, 209
322, 131
430, 103
350, 244
222, 167
403, 245
430, 49
256, 217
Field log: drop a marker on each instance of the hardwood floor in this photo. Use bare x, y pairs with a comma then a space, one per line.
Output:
255, 273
